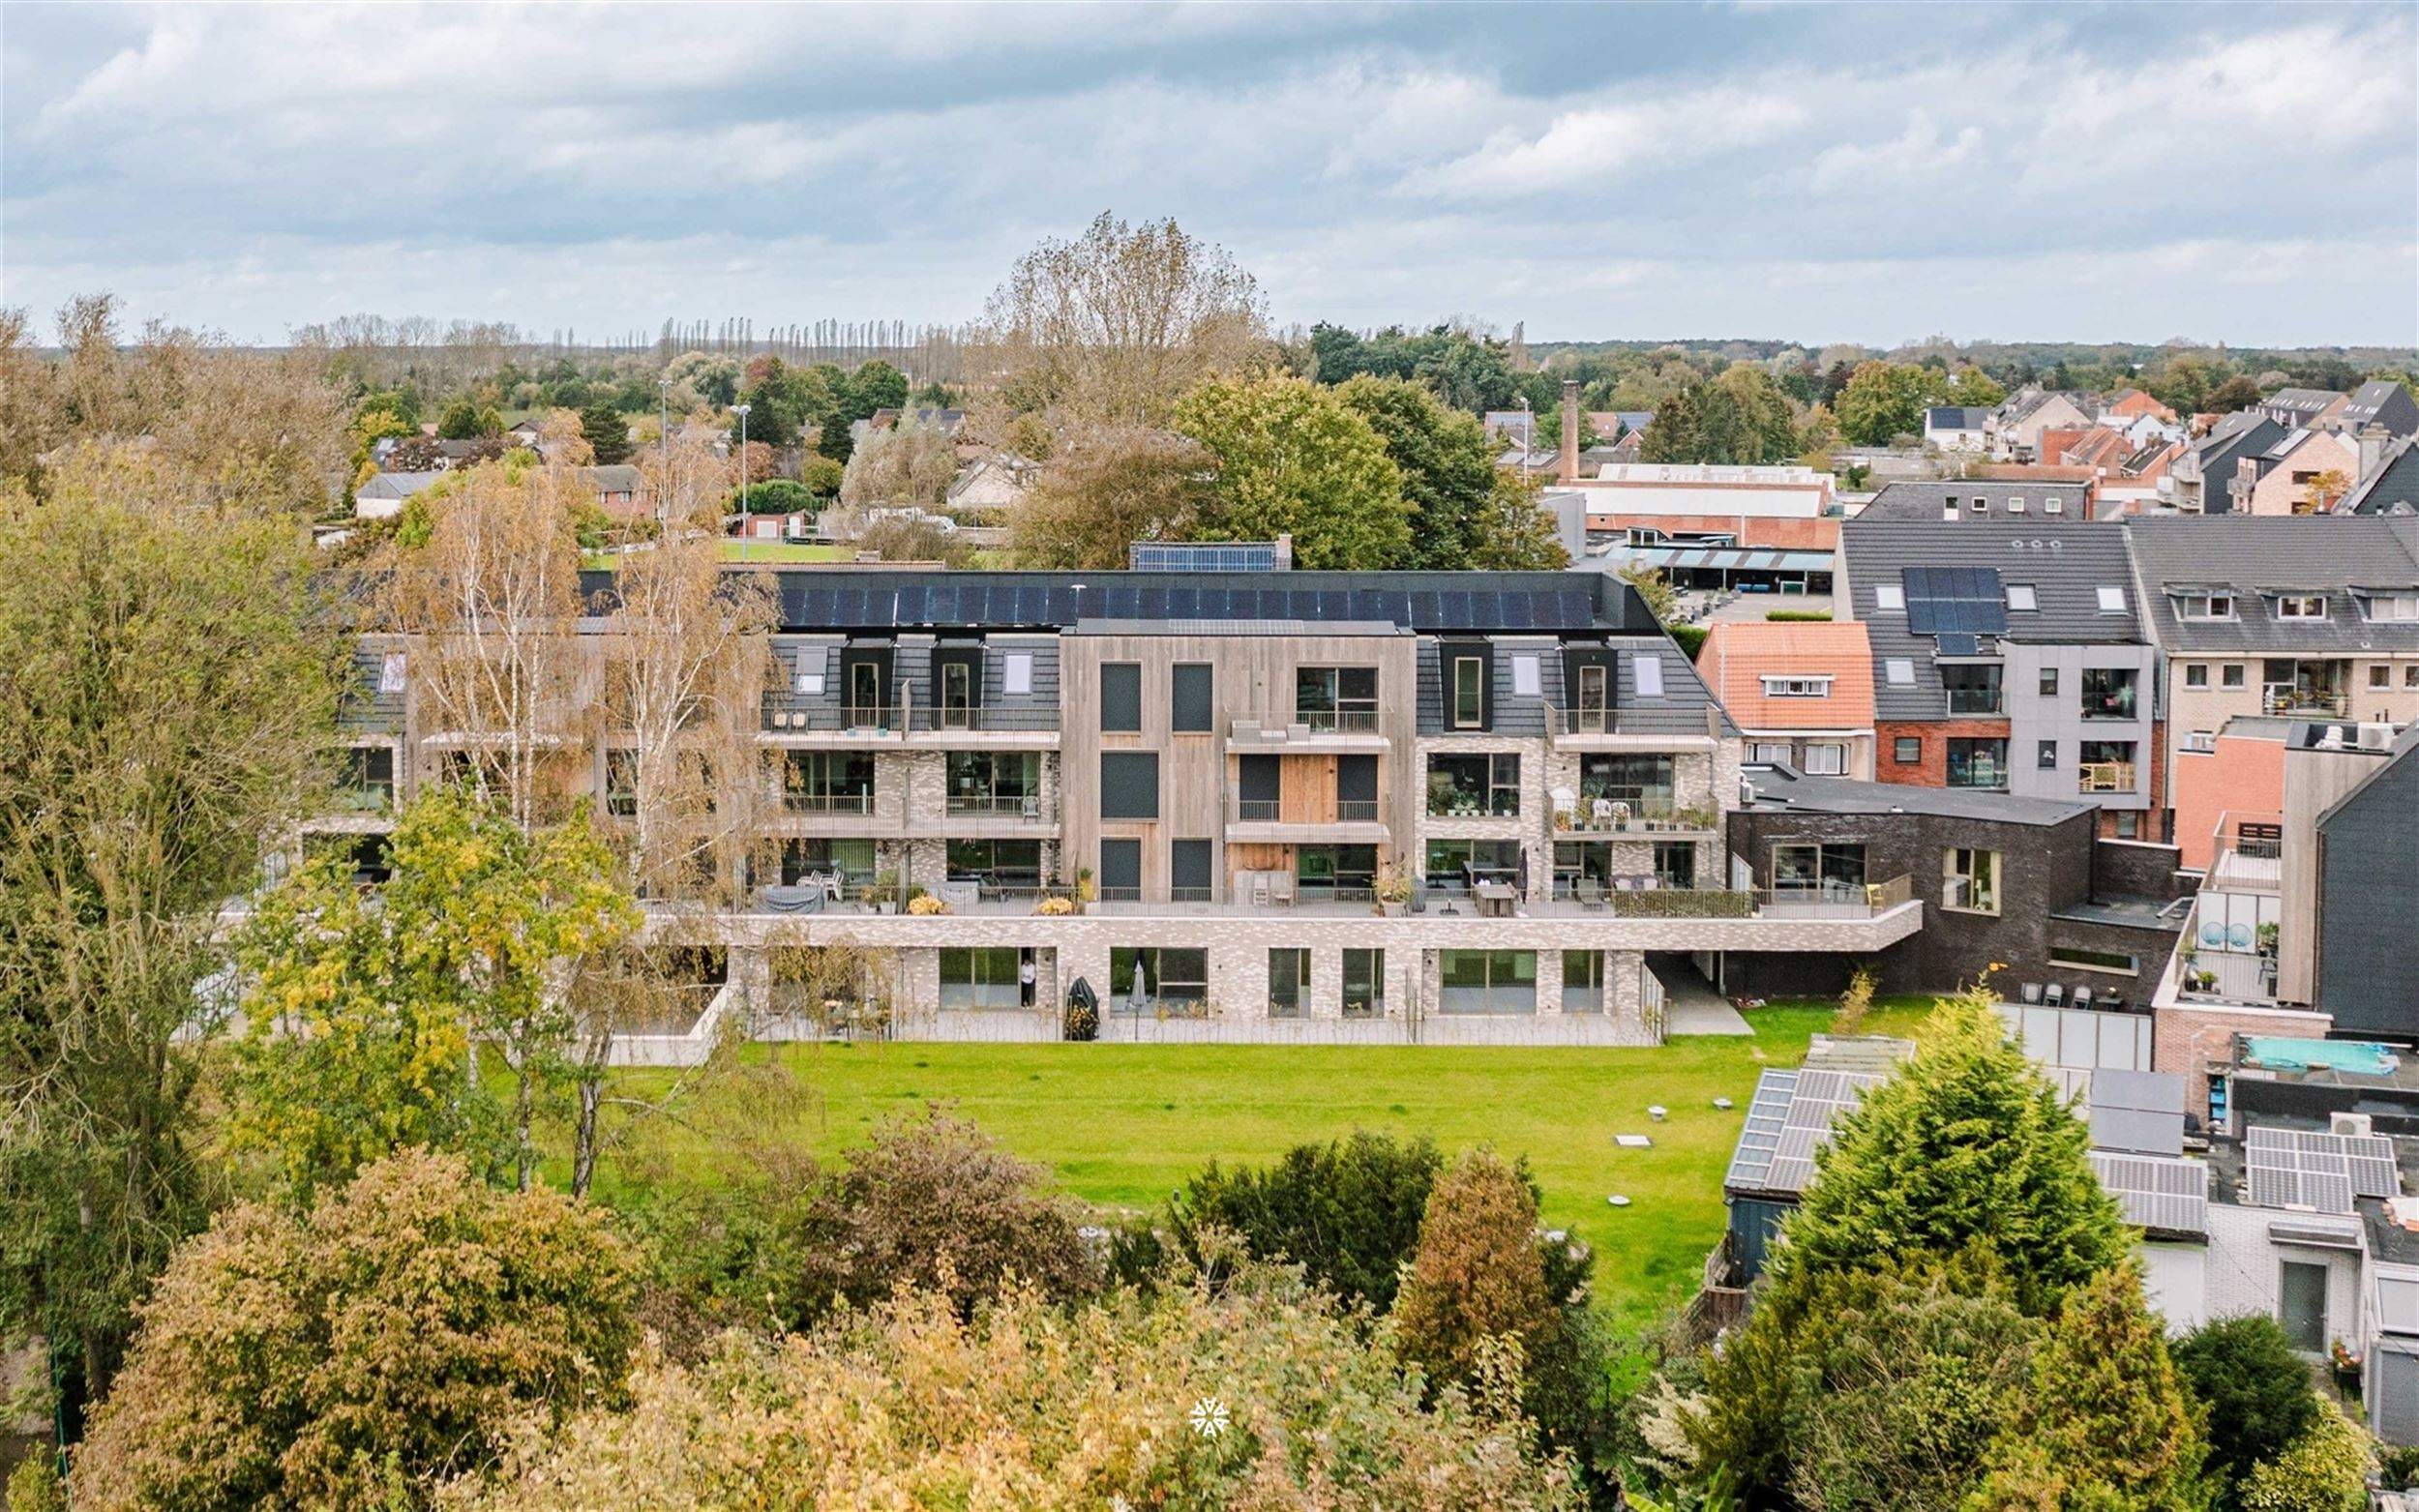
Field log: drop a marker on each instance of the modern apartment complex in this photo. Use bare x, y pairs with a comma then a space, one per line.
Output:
2009, 656
1483, 806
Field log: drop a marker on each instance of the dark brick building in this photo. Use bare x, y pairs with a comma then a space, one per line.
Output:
2025, 883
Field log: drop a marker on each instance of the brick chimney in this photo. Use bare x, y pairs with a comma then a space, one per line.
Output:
1571, 431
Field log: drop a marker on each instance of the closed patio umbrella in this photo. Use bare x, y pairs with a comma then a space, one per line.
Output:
1521, 877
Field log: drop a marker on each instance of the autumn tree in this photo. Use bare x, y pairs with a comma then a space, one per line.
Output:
1107, 489
1294, 459
2239, 392
881, 1406
1476, 1274
490, 605
1113, 327
898, 538
365, 1354
903, 464
363, 1015
166, 703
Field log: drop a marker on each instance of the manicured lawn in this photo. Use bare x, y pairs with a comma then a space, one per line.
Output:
782, 551
1124, 1125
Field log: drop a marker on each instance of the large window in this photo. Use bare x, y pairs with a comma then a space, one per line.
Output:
1349, 872
1336, 697
995, 781
985, 978
853, 860
1487, 981
1977, 764
1826, 759
1469, 692
621, 783
1583, 981
1120, 878
1457, 862
999, 865
1972, 687
1592, 710
1144, 979
1364, 984
1190, 690
2107, 766
1189, 866
1641, 780
365, 782
1473, 786
2108, 693
1289, 982
827, 782
1675, 864
1800, 867
1972, 883
1129, 785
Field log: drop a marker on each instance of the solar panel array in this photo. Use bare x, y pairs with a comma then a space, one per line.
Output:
1202, 556
2139, 1112
2292, 1167
1789, 1119
2167, 1194
806, 606
1958, 600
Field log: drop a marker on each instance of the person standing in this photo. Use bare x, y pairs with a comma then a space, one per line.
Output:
1025, 978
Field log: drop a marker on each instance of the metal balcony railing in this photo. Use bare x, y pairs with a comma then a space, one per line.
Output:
827, 802
1272, 811
785, 712
2294, 700
1005, 806
1678, 723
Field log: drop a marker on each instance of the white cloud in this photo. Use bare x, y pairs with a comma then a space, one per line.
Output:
1597, 146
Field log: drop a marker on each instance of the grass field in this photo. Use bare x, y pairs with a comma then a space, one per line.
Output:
1124, 1125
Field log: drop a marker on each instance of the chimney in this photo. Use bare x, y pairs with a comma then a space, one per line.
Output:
2371, 444
1283, 553
1571, 431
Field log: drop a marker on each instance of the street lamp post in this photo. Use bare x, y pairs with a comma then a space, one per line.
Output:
1528, 438
745, 522
663, 448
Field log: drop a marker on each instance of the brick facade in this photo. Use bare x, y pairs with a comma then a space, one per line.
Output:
1931, 768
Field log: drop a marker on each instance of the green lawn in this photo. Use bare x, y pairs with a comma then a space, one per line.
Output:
1124, 1125
782, 551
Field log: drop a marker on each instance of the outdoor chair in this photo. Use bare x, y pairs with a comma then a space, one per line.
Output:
2083, 998
2031, 992
2056, 995
1591, 893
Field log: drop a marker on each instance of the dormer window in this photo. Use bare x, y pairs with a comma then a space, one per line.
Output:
2204, 604
2015, 505
1796, 686
2301, 605
1979, 507
2053, 505
2379, 603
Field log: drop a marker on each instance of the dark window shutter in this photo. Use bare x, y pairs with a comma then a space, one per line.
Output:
1121, 864
1129, 785
1188, 865
1191, 712
1121, 696
1357, 779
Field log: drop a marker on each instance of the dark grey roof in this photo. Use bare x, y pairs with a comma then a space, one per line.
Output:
2300, 401
2382, 402
1509, 603
1924, 500
2329, 553
612, 478
1954, 416
1681, 709
2393, 489
2066, 562
1776, 789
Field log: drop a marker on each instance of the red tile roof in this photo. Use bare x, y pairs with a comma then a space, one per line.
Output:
1738, 654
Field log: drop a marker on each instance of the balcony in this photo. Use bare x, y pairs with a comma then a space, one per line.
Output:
1631, 728
2280, 700
1305, 731
793, 802
2106, 777
1278, 821
1615, 816
793, 720
1983, 702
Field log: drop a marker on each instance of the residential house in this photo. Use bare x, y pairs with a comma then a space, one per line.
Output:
1514, 426
384, 496
2022, 890
2132, 405
1800, 693
524, 433
999, 481
1224, 776
949, 422
620, 490
2290, 470
2298, 616
2013, 429
2304, 410
2216, 474
2009, 656
2388, 477
1952, 428
1979, 501
2384, 404
2367, 873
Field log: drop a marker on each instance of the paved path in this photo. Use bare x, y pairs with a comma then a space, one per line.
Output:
1691, 1006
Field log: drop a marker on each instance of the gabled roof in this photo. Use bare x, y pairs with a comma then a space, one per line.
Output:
1738, 655
2133, 402
2392, 488
1924, 500
2300, 401
396, 485
2064, 563
2382, 402
2259, 555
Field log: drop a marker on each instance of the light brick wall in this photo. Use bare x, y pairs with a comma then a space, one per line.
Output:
2185, 1040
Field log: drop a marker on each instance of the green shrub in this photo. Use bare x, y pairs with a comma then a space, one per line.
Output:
1802, 616
1348, 1211
1691, 638
2256, 1388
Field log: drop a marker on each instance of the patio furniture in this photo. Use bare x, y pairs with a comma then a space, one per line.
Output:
2030, 991
1495, 899
2056, 995
1591, 892
2083, 998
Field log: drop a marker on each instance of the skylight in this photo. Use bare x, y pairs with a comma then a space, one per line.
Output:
1888, 596
2021, 595
1901, 672
1649, 672
2112, 600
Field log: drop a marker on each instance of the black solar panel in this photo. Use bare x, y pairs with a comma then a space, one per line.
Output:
1955, 601
1955, 643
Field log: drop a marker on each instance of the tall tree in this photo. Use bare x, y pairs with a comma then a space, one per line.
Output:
1515, 532
608, 433
1966, 1144
1293, 460
875, 385
1447, 462
906, 462
2256, 1388
169, 692
1477, 1275
1105, 491
1113, 327
1884, 401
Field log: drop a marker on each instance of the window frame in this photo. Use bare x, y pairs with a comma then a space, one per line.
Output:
1289, 982
1115, 698
1980, 870
1468, 693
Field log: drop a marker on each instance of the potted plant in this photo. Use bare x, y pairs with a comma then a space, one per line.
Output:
2268, 939
922, 904
1084, 890
1055, 907
1393, 889
882, 892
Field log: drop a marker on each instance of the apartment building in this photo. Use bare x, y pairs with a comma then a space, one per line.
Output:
2292, 617
1475, 808
2009, 656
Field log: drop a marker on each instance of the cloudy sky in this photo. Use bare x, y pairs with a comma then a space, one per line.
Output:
2239, 173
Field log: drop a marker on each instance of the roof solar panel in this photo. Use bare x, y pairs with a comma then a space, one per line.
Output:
2168, 1194
2293, 1168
